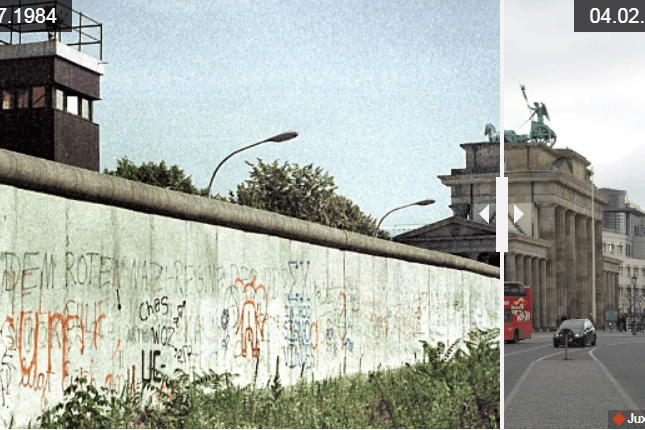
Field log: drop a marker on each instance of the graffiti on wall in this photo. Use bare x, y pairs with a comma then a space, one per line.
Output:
252, 317
299, 331
119, 320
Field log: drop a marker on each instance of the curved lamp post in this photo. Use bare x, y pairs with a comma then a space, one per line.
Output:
278, 138
420, 203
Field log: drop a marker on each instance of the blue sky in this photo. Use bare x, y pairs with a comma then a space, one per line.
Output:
381, 92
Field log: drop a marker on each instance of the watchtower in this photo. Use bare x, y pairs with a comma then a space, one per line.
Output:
48, 87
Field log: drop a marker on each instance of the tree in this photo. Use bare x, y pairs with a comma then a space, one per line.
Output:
160, 175
306, 193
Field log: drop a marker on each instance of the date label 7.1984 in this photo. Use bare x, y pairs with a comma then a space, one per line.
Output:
20, 17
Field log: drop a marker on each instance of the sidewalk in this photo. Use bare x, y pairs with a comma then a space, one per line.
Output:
554, 393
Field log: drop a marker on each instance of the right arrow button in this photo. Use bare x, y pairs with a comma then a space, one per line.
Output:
517, 213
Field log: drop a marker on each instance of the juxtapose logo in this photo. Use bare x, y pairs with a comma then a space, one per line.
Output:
626, 419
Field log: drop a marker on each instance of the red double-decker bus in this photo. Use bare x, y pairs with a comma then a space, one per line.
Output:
518, 321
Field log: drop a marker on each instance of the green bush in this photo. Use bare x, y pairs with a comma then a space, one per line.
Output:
454, 388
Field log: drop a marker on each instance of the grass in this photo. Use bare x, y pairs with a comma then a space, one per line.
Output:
458, 387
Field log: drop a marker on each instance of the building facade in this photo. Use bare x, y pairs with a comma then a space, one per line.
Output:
624, 240
556, 246
466, 233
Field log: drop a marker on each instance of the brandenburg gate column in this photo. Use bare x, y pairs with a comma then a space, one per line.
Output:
528, 279
550, 230
537, 296
583, 281
560, 261
509, 267
570, 303
519, 268
544, 285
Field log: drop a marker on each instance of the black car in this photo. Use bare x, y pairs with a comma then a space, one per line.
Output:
580, 332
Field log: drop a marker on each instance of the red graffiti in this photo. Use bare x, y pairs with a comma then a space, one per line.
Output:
64, 321
252, 317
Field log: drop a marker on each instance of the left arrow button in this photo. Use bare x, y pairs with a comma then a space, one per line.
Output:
485, 214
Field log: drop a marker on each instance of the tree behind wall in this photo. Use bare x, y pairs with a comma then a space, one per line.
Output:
306, 193
159, 175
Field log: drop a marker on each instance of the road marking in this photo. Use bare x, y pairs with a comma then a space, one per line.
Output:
628, 400
621, 392
526, 350
509, 399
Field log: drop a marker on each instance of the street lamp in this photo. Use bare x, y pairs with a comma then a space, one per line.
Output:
593, 249
420, 203
278, 138
632, 305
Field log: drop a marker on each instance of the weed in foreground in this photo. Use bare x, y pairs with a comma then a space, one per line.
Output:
457, 387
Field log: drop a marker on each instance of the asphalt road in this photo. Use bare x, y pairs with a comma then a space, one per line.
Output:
541, 390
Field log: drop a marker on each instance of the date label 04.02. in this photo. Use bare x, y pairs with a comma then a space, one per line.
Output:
608, 16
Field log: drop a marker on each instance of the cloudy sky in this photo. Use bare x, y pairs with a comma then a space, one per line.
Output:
592, 83
382, 92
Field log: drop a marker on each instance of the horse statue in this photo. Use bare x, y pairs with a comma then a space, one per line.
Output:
492, 133
509, 135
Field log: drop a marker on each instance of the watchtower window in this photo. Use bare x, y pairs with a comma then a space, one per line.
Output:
59, 99
22, 99
72, 104
85, 109
7, 100
38, 97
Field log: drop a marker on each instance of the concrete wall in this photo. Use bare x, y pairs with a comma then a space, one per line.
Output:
110, 292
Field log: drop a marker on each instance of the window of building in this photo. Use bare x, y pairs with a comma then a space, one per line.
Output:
72, 105
619, 250
22, 98
620, 270
85, 108
7, 100
611, 248
59, 100
628, 274
604, 248
38, 97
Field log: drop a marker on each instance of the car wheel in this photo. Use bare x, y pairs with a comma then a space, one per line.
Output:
555, 343
594, 341
516, 336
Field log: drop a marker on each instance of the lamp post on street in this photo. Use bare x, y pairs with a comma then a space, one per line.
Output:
278, 138
419, 203
640, 313
632, 305
593, 249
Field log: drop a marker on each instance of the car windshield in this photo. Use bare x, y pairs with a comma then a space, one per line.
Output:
573, 324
